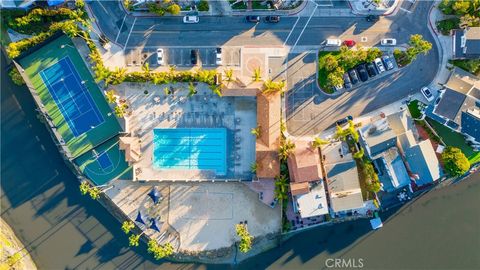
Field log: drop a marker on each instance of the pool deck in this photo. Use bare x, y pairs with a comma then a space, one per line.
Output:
203, 110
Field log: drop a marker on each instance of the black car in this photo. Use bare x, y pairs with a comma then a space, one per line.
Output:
272, 19
372, 18
345, 120
353, 76
362, 72
372, 71
346, 81
194, 57
251, 18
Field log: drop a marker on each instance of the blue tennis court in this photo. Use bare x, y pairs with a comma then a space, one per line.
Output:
71, 96
190, 148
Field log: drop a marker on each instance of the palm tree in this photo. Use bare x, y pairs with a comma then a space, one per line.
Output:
228, 74
111, 98
93, 191
216, 89
257, 131
281, 187
286, 148
254, 167
317, 142
84, 187
256, 75
127, 226
191, 90
133, 240
270, 86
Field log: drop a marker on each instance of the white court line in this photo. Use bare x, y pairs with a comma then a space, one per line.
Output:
298, 18
130, 32
405, 10
100, 2
120, 30
301, 33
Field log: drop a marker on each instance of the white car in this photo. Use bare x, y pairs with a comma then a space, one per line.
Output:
160, 60
333, 42
379, 64
388, 42
218, 56
190, 19
427, 93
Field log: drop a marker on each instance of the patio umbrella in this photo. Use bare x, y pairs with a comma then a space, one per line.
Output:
154, 225
155, 195
139, 218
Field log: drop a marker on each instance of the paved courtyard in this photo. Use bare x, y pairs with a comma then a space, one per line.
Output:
205, 109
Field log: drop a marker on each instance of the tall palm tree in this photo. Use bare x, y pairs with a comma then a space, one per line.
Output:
281, 187
228, 74
286, 148
317, 142
257, 75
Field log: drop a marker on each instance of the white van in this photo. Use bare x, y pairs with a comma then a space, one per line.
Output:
333, 42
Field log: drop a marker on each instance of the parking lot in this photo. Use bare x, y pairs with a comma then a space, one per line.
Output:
181, 56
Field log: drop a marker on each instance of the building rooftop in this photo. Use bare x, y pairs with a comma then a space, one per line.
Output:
450, 104
423, 162
304, 163
379, 136
471, 123
392, 171
313, 203
466, 43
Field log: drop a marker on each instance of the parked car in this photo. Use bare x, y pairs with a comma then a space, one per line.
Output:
427, 93
388, 62
388, 42
194, 57
190, 19
160, 60
379, 64
333, 42
372, 71
349, 42
362, 72
272, 19
251, 18
353, 76
218, 56
347, 83
372, 18
345, 120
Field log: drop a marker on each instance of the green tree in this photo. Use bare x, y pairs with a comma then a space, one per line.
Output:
418, 45
203, 5
16, 77
192, 90
173, 9
373, 53
455, 162
270, 86
256, 131
372, 182
468, 20
359, 154
328, 62
461, 7
245, 238
94, 193
335, 79
116, 77
84, 187
254, 167
127, 226
110, 96
228, 74
216, 89
134, 240
281, 187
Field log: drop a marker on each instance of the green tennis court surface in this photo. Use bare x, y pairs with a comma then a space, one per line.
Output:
70, 96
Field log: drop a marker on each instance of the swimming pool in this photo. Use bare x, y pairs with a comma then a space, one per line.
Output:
190, 149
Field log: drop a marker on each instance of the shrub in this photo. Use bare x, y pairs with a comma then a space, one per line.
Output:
245, 238
455, 162
16, 77
173, 9
445, 26
203, 5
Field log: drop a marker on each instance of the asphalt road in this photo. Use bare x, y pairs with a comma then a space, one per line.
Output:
309, 111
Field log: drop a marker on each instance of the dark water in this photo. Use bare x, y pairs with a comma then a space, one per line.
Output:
63, 230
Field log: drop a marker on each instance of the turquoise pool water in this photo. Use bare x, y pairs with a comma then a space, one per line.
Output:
190, 149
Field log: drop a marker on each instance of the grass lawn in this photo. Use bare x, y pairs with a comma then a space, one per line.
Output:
322, 74
472, 66
414, 110
475, 158
451, 138
239, 5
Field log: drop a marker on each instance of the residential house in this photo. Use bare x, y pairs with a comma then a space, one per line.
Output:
466, 43
458, 104
306, 180
390, 143
342, 180
27, 4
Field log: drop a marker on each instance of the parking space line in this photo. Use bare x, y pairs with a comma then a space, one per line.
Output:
130, 32
301, 33
401, 8
120, 30
290, 33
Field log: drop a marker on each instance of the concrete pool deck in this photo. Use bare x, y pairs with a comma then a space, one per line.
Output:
156, 109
